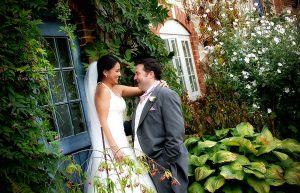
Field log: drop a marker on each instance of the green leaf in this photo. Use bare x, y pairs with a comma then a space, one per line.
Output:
243, 129
265, 137
291, 145
269, 147
223, 156
281, 156
233, 188
244, 144
206, 144
221, 132
274, 175
198, 160
292, 174
191, 141
256, 168
195, 187
229, 172
260, 186
213, 183
202, 172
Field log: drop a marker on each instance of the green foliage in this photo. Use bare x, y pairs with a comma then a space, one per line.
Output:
123, 30
241, 160
27, 160
221, 107
259, 57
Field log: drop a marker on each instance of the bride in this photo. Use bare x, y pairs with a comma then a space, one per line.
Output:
110, 145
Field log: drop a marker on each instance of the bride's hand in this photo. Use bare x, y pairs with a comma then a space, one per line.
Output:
118, 154
163, 83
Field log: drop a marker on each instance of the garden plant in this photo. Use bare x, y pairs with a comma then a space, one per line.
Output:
241, 160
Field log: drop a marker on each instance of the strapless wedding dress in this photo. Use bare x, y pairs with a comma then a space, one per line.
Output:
115, 123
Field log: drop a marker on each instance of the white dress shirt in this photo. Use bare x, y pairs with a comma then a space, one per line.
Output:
138, 113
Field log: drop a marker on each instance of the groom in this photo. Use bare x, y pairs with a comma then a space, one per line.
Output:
158, 127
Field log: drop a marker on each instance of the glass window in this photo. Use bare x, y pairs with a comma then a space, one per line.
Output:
69, 117
183, 62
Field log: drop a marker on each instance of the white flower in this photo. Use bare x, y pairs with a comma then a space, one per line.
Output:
218, 23
255, 106
245, 74
231, 75
152, 98
289, 11
248, 86
247, 60
207, 11
209, 28
269, 110
279, 64
255, 4
276, 40
205, 15
294, 43
234, 53
279, 71
286, 90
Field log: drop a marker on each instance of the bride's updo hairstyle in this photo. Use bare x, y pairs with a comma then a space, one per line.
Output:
106, 62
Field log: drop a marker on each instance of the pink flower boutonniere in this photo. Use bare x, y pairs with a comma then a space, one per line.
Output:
152, 98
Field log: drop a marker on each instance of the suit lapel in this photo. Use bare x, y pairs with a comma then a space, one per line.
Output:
149, 104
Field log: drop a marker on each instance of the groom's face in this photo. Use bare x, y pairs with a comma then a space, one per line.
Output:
142, 77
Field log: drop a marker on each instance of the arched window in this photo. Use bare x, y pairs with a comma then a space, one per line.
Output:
177, 40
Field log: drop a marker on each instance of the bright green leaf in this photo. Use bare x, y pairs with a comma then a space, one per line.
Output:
195, 187
213, 183
223, 156
291, 145
274, 175
198, 160
203, 172
206, 144
229, 173
292, 174
243, 129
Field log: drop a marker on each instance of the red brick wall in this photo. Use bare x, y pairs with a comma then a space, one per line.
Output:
181, 17
281, 5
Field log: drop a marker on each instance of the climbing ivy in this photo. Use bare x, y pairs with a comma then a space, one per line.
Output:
27, 159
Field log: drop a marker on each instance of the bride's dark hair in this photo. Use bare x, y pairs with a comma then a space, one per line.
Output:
106, 62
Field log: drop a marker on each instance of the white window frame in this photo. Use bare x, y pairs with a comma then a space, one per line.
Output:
168, 34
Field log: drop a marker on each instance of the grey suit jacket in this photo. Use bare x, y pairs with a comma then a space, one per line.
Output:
160, 133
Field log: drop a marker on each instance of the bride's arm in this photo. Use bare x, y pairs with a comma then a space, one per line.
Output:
127, 91
102, 102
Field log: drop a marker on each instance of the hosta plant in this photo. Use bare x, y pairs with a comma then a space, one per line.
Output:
242, 160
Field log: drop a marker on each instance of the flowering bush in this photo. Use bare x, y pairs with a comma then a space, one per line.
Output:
259, 57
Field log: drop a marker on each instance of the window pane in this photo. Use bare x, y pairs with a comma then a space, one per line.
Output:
64, 57
77, 118
57, 89
70, 85
64, 121
51, 52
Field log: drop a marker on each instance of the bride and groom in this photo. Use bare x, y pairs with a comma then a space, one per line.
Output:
157, 127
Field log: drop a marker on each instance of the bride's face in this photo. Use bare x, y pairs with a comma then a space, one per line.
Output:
114, 74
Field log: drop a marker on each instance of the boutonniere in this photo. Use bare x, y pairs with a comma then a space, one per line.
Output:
152, 98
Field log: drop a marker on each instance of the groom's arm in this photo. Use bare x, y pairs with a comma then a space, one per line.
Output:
127, 127
174, 125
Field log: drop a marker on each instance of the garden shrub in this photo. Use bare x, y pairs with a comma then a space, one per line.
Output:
242, 160
258, 57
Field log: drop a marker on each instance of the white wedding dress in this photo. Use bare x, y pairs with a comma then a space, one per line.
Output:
96, 174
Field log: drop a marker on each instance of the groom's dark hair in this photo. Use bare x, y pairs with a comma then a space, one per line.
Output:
105, 62
151, 64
